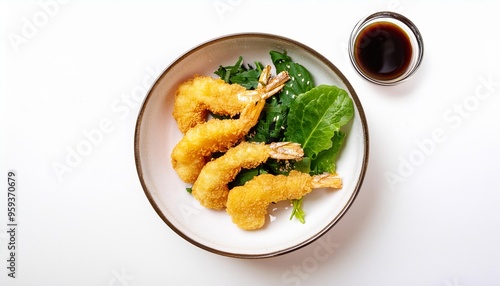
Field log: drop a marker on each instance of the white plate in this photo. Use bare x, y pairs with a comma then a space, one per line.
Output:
157, 133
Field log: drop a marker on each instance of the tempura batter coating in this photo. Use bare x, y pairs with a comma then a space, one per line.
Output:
201, 141
247, 205
196, 97
191, 154
211, 189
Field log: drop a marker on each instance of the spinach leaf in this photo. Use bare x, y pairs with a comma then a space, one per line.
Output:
300, 78
273, 121
246, 175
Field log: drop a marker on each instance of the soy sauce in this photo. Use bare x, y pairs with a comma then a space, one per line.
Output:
383, 51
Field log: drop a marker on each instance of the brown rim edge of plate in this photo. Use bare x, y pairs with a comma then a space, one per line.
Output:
323, 59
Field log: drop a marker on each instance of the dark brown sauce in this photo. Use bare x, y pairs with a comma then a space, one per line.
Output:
383, 51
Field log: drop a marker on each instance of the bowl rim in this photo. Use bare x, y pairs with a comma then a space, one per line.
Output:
314, 53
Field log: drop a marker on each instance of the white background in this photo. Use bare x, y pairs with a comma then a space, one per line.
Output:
429, 209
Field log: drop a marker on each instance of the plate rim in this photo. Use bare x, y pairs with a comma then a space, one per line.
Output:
320, 57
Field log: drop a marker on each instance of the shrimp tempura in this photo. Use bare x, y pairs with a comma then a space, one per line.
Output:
194, 98
201, 94
211, 189
247, 205
218, 135
191, 154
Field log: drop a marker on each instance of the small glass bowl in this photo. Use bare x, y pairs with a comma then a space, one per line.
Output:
414, 36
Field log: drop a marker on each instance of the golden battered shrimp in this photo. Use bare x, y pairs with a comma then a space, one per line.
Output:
196, 97
247, 205
218, 135
191, 154
211, 189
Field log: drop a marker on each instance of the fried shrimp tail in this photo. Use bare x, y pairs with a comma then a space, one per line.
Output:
218, 135
247, 205
201, 94
211, 187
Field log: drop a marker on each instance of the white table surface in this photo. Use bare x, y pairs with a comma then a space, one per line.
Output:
428, 212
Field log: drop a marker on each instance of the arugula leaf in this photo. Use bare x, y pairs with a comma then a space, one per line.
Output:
268, 128
238, 73
225, 72
316, 115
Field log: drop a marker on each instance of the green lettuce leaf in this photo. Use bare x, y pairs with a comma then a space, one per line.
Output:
316, 115
326, 160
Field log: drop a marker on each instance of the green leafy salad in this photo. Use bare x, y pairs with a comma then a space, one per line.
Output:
302, 112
